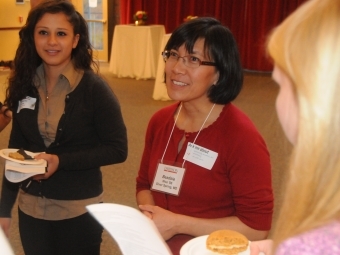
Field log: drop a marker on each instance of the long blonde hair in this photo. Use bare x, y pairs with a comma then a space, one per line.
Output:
306, 46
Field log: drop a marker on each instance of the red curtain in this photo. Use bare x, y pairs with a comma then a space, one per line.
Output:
250, 21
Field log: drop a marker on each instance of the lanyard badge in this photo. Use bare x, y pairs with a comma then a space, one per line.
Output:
168, 179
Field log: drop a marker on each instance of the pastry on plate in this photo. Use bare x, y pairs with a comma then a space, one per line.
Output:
227, 242
16, 155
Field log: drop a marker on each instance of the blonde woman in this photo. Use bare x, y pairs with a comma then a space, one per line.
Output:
306, 52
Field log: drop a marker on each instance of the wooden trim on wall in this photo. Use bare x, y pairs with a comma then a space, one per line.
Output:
10, 28
111, 16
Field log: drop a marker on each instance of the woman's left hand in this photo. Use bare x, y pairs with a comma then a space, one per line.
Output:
164, 220
263, 247
52, 165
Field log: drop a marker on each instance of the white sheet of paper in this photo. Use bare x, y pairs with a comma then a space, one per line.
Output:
200, 156
27, 103
134, 233
14, 176
16, 172
5, 248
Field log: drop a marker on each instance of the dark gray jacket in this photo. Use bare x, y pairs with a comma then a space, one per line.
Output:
91, 133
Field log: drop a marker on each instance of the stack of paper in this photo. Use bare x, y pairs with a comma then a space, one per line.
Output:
134, 233
17, 172
5, 248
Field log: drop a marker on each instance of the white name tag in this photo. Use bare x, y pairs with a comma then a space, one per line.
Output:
27, 103
200, 156
168, 179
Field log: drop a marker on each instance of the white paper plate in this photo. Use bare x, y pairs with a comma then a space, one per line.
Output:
197, 246
4, 154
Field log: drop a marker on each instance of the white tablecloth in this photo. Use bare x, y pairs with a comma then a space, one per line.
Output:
159, 90
135, 51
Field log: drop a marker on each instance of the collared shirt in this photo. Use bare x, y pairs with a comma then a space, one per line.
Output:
51, 108
52, 103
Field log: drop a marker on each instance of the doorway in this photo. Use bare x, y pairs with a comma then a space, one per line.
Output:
95, 13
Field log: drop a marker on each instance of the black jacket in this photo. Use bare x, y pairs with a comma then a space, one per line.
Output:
91, 133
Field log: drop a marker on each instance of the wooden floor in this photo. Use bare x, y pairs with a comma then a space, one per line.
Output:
257, 100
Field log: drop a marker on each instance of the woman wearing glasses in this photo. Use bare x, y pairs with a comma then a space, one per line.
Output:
204, 166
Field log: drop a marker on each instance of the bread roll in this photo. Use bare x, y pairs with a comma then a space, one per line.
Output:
227, 242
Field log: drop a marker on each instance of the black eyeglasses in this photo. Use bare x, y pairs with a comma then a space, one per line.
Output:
189, 61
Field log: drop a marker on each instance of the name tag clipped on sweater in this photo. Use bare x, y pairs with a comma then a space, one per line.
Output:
27, 103
200, 156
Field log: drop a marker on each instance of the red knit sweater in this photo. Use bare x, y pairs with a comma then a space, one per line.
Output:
239, 183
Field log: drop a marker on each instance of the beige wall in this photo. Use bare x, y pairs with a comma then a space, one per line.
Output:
8, 44
9, 18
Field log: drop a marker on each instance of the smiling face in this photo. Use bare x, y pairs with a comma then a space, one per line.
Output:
286, 105
54, 39
190, 84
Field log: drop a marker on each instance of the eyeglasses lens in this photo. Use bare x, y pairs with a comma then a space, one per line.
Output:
169, 57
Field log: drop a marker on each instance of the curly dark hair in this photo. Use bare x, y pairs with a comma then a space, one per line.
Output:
27, 59
221, 48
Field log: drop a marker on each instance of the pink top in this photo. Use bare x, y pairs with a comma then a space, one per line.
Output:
321, 241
